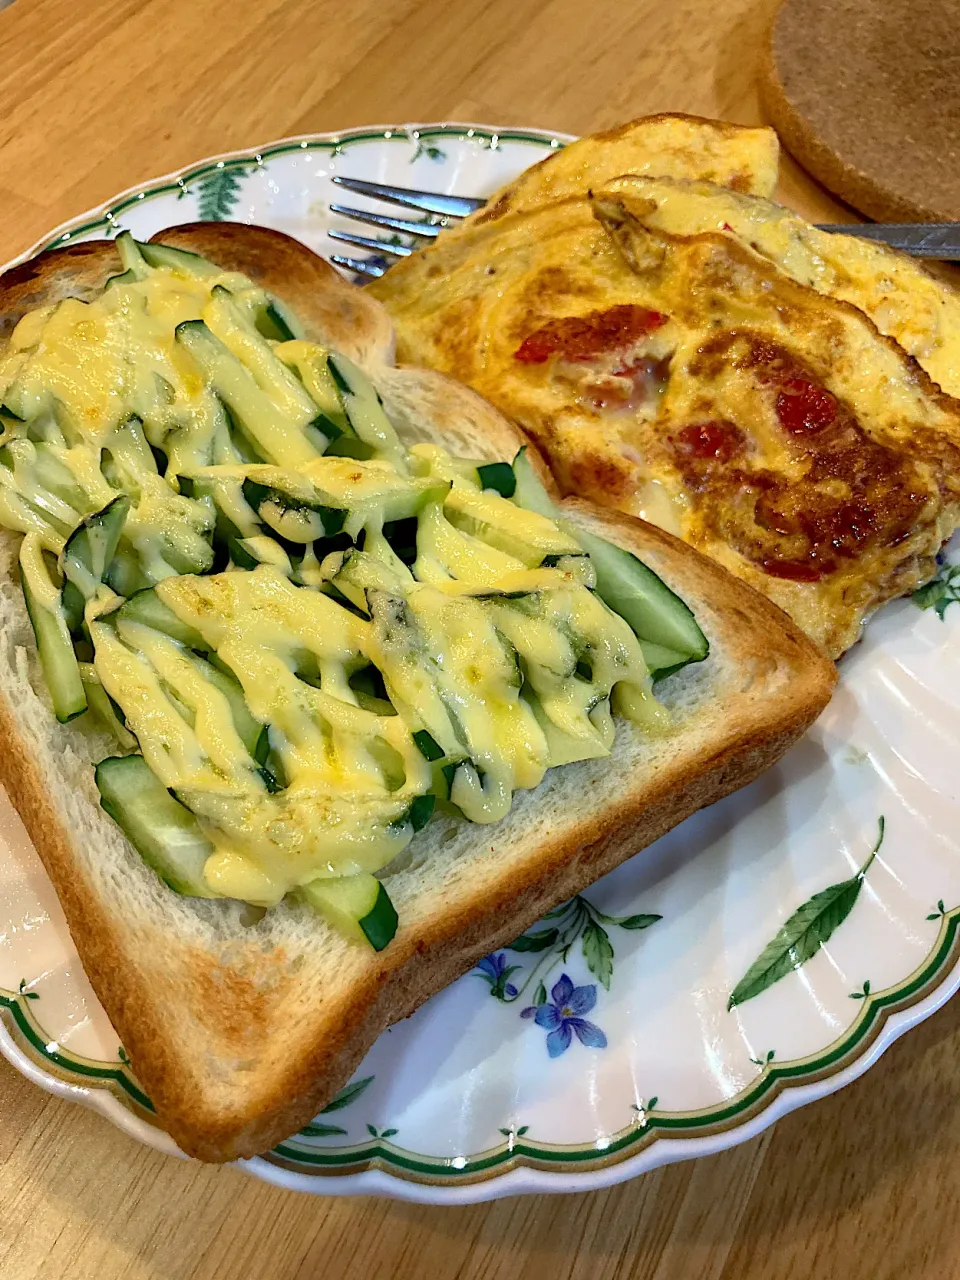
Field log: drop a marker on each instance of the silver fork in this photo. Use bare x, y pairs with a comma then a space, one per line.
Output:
940, 240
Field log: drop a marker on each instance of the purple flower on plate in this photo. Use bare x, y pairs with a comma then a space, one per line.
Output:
561, 1017
495, 971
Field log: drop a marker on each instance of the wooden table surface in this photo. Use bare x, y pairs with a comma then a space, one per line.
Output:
96, 96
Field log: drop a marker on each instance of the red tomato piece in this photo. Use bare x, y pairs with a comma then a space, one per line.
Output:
804, 408
582, 338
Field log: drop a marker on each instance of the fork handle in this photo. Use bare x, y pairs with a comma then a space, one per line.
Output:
921, 239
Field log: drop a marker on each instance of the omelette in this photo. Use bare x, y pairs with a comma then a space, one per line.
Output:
712, 366
902, 299
674, 145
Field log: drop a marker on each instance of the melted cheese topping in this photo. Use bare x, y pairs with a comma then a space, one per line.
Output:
493, 642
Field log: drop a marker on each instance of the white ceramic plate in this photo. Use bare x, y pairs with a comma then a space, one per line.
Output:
605, 1046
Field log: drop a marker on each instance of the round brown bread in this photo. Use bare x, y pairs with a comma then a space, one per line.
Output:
866, 95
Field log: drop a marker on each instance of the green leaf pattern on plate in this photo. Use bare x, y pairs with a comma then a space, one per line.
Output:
428, 149
349, 1093
804, 933
940, 592
552, 940
218, 192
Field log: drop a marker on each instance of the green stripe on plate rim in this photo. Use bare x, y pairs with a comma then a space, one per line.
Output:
259, 155
513, 1153
90, 1070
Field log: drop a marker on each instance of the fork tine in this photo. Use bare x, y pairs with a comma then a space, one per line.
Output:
428, 201
370, 242
427, 229
361, 265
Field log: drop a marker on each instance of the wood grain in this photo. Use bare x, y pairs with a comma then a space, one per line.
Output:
100, 96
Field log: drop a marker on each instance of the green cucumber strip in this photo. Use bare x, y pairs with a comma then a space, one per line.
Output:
419, 813
662, 661
380, 922
643, 600
365, 412
529, 492
147, 607
91, 547
656, 614
249, 729
282, 439
255, 493
165, 834
350, 446
270, 780
428, 746
261, 748
61, 672
130, 256
105, 709
232, 326
124, 574
314, 373
247, 553
124, 277
73, 605
371, 694
499, 476
283, 513
359, 906
507, 527
165, 255
275, 322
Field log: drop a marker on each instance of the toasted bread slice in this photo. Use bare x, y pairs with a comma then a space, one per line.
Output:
679, 146
240, 1033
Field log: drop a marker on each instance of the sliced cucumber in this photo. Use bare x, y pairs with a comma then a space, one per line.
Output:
291, 517
73, 605
124, 574
655, 613
428, 746
147, 607
499, 476
664, 625
419, 813
503, 524
371, 694
365, 412
247, 553
350, 446
61, 672
529, 492
165, 255
249, 729
229, 323
275, 322
359, 906
90, 548
123, 277
131, 257
281, 438
104, 707
165, 834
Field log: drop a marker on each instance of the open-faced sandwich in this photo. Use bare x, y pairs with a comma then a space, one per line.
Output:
683, 349
311, 692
